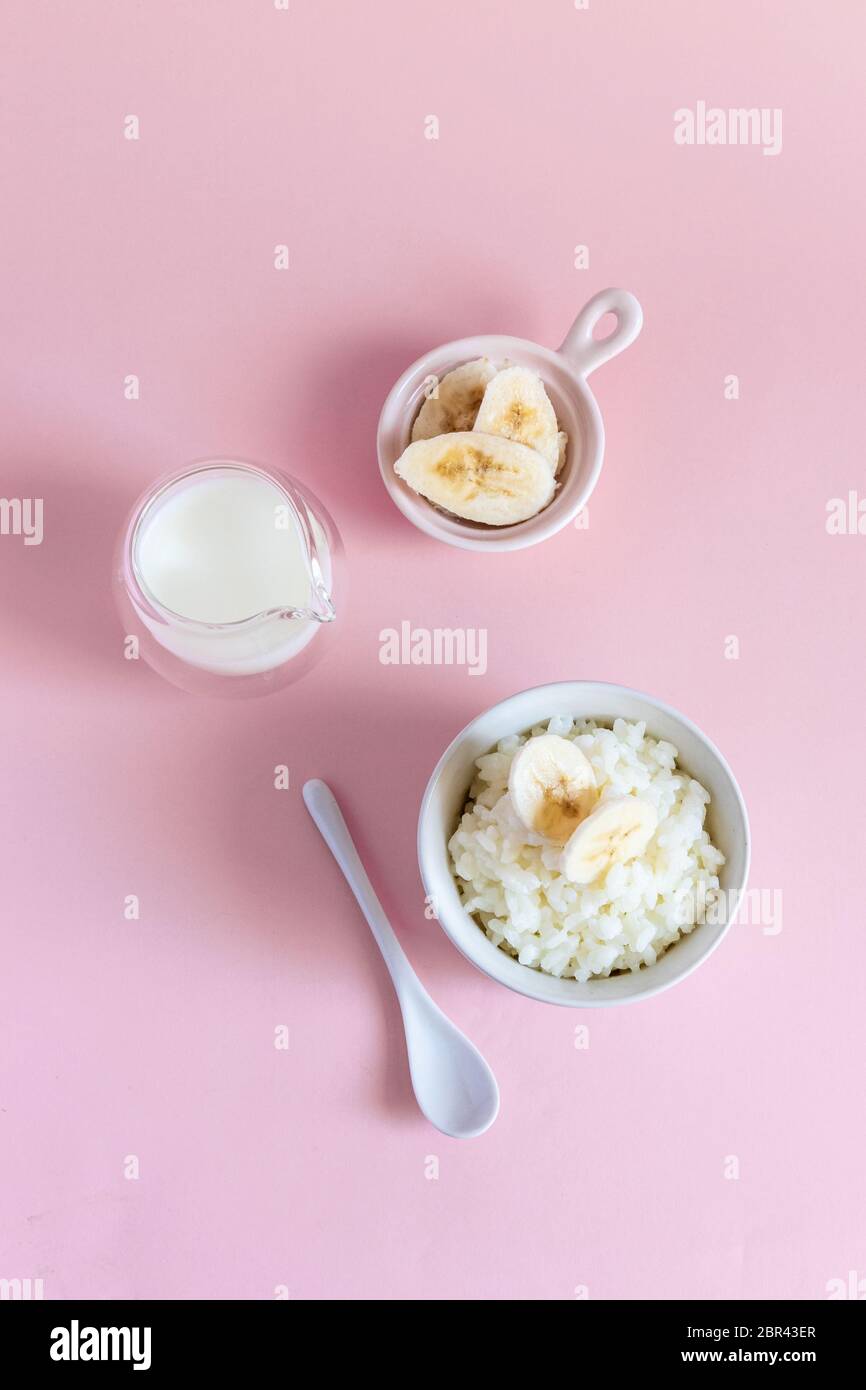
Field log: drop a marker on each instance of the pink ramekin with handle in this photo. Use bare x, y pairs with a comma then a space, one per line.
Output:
565, 372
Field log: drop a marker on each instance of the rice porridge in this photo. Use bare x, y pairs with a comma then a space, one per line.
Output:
582, 850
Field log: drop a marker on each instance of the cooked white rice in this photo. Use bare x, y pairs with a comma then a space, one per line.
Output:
508, 876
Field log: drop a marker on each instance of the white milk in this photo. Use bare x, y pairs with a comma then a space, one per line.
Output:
219, 547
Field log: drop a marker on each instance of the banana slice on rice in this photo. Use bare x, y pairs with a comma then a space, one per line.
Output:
552, 786
478, 477
620, 828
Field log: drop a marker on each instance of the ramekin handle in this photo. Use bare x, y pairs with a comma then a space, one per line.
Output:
583, 351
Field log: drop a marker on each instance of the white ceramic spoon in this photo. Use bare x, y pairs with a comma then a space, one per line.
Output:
453, 1084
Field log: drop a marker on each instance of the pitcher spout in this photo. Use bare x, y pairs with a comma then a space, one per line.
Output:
320, 608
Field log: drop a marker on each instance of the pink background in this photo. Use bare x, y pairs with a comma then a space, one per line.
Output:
307, 1168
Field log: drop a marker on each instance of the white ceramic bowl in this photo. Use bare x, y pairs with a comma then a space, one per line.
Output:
564, 373
446, 794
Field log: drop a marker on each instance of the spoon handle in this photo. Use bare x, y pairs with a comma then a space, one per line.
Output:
322, 806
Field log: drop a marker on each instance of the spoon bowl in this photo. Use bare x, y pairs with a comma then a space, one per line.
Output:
454, 1087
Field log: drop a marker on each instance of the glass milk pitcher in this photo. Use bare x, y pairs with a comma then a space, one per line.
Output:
228, 578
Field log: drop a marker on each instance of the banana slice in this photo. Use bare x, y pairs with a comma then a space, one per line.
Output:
517, 406
455, 404
552, 786
478, 477
619, 828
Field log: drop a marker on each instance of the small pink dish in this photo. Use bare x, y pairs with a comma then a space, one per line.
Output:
564, 372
